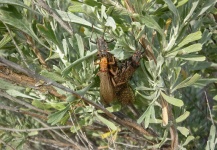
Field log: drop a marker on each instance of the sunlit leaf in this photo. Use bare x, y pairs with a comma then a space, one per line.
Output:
16, 93
187, 82
106, 122
183, 117
211, 140
184, 131
172, 100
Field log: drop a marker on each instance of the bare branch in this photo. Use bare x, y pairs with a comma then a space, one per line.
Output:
32, 130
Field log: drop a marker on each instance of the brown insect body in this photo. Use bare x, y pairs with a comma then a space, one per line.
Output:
107, 93
106, 87
123, 90
114, 80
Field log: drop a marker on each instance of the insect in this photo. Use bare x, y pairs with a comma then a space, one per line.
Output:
123, 90
106, 87
107, 65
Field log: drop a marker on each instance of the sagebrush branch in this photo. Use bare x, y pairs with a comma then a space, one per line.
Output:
131, 125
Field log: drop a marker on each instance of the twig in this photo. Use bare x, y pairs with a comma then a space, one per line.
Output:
75, 129
53, 13
128, 145
52, 142
76, 145
32, 130
209, 108
129, 124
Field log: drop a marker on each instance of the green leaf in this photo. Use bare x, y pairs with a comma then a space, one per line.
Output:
76, 7
189, 139
184, 131
211, 140
33, 133
68, 69
48, 33
110, 23
173, 8
187, 82
215, 97
57, 116
183, 117
52, 75
16, 93
172, 100
151, 23
208, 4
145, 115
181, 2
40, 104
80, 45
190, 49
75, 19
12, 17
190, 38
192, 57
6, 39
17, 3
106, 122
193, 7
7, 85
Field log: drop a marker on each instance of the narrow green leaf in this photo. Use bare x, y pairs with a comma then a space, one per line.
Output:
184, 131
147, 118
143, 115
183, 117
173, 8
181, 2
80, 45
172, 100
7, 85
190, 38
12, 17
194, 6
17, 3
208, 4
41, 104
211, 140
68, 69
16, 93
106, 122
48, 33
6, 39
192, 57
151, 23
190, 49
76, 7
189, 139
73, 18
215, 97
57, 116
53, 76
187, 82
